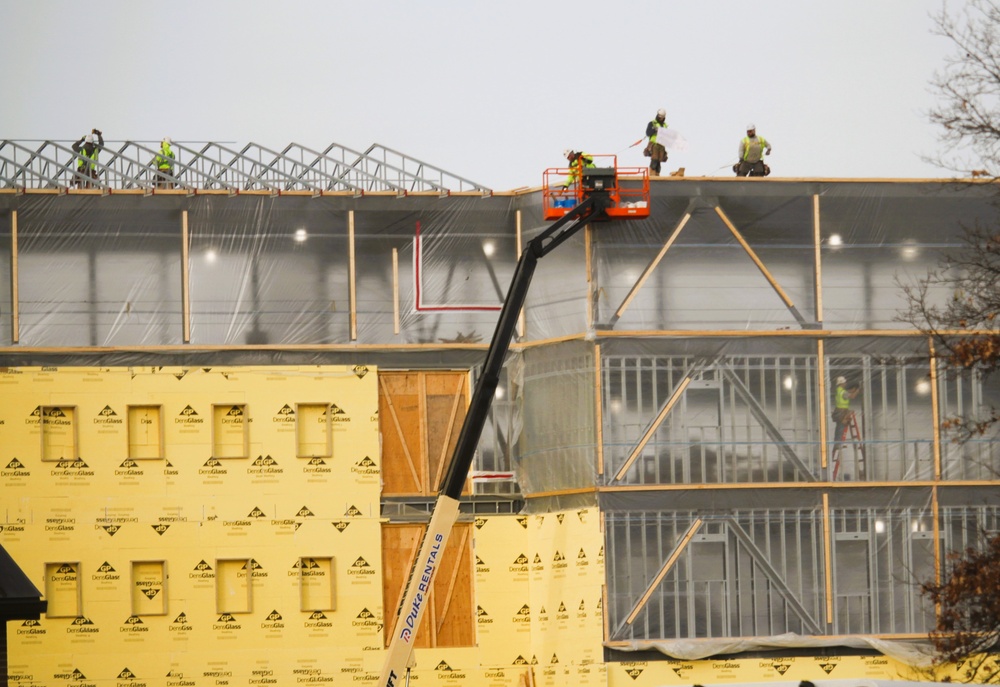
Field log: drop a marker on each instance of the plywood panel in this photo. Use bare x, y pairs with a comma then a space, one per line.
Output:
449, 618
404, 466
447, 402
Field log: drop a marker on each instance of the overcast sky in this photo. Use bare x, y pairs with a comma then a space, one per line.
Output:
491, 91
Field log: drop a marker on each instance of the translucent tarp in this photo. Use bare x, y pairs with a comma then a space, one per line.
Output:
674, 370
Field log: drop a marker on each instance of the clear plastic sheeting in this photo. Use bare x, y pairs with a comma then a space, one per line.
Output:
918, 654
556, 450
107, 270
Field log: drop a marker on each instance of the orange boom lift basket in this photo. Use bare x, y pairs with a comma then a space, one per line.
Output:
627, 188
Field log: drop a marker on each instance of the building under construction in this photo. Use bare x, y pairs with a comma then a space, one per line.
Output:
226, 408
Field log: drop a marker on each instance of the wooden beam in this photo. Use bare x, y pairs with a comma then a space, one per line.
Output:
753, 256
352, 276
588, 266
664, 569
395, 291
518, 249
15, 310
821, 373
598, 410
634, 291
817, 262
827, 563
654, 425
185, 278
935, 410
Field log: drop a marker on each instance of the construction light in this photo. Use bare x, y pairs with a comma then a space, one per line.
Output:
488, 248
835, 241
211, 256
301, 235
923, 387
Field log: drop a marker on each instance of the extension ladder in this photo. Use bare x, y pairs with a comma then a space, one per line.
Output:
851, 426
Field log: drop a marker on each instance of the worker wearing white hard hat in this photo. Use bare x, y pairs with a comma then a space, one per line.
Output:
842, 413
87, 150
655, 151
577, 161
751, 154
165, 165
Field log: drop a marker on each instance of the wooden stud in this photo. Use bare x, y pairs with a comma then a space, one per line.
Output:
185, 277
817, 262
395, 291
521, 325
352, 276
598, 409
15, 326
587, 267
936, 527
827, 554
935, 410
821, 372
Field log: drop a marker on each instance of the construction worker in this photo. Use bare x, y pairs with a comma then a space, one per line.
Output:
655, 151
842, 410
86, 164
577, 161
751, 155
165, 165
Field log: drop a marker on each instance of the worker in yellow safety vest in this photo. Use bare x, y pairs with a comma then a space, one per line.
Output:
655, 151
86, 163
842, 409
577, 161
751, 154
165, 165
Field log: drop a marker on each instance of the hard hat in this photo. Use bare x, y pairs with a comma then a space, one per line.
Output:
751, 127
166, 139
661, 112
841, 380
567, 152
90, 138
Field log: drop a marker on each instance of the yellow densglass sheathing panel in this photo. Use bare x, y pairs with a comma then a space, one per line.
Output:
567, 571
146, 535
503, 596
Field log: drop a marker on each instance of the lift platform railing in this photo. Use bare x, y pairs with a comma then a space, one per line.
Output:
565, 187
213, 166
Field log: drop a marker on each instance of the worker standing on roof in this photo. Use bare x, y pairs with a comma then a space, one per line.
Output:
655, 151
86, 163
165, 165
751, 153
577, 161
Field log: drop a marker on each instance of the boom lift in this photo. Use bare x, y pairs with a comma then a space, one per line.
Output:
597, 196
